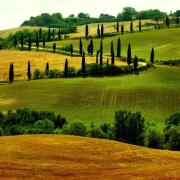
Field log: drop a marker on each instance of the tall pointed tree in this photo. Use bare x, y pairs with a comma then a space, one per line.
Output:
66, 68
29, 71
54, 47
53, 34
122, 29
47, 69
102, 30
107, 63
29, 43
83, 66
129, 54
101, 53
140, 26
92, 47
40, 33
136, 64
131, 27
87, 31
71, 50
37, 41
152, 56
49, 34
112, 58
44, 41
97, 57
22, 40
11, 73
80, 47
98, 31
119, 48
167, 21
59, 34
112, 48
117, 27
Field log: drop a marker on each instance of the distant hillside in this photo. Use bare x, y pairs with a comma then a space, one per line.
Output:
70, 157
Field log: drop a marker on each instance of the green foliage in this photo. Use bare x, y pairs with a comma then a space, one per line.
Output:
1, 132
96, 132
37, 74
55, 73
129, 127
43, 126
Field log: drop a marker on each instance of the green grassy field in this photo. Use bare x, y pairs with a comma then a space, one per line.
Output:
165, 42
156, 93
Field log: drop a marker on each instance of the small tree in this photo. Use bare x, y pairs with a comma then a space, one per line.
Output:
29, 71
101, 53
152, 56
117, 27
119, 48
49, 34
91, 47
44, 41
83, 66
97, 56
71, 50
107, 63
11, 73
59, 34
87, 31
102, 30
129, 54
122, 29
47, 69
98, 31
40, 33
80, 47
66, 68
136, 64
15, 41
29, 43
167, 21
37, 41
54, 47
22, 40
140, 26
131, 27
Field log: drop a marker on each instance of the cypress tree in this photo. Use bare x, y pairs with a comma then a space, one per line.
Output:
66, 68
29, 71
80, 47
129, 54
29, 43
92, 47
101, 53
40, 33
22, 40
87, 31
97, 56
54, 47
177, 20
49, 34
83, 66
112, 58
117, 27
44, 41
140, 26
112, 48
47, 69
107, 63
98, 31
102, 30
119, 48
53, 34
167, 21
122, 29
131, 27
59, 34
152, 56
11, 73
37, 41
136, 64
71, 50
15, 41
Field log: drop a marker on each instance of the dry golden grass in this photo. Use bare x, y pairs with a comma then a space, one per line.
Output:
70, 157
38, 60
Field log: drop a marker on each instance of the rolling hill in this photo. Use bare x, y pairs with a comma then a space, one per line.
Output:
70, 157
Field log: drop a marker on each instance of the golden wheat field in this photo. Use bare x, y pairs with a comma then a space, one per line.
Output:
38, 60
70, 157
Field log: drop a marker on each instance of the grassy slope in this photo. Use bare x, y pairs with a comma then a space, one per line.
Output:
165, 42
69, 157
156, 93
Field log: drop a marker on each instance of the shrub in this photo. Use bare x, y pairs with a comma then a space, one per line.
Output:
43, 126
1, 132
96, 132
154, 139
107, 130
72, 72
75, 128
37, 74
129, 127
16, 130
55, 73
60, 121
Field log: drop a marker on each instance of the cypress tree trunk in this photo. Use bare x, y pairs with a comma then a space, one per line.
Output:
129, 54
119, 48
